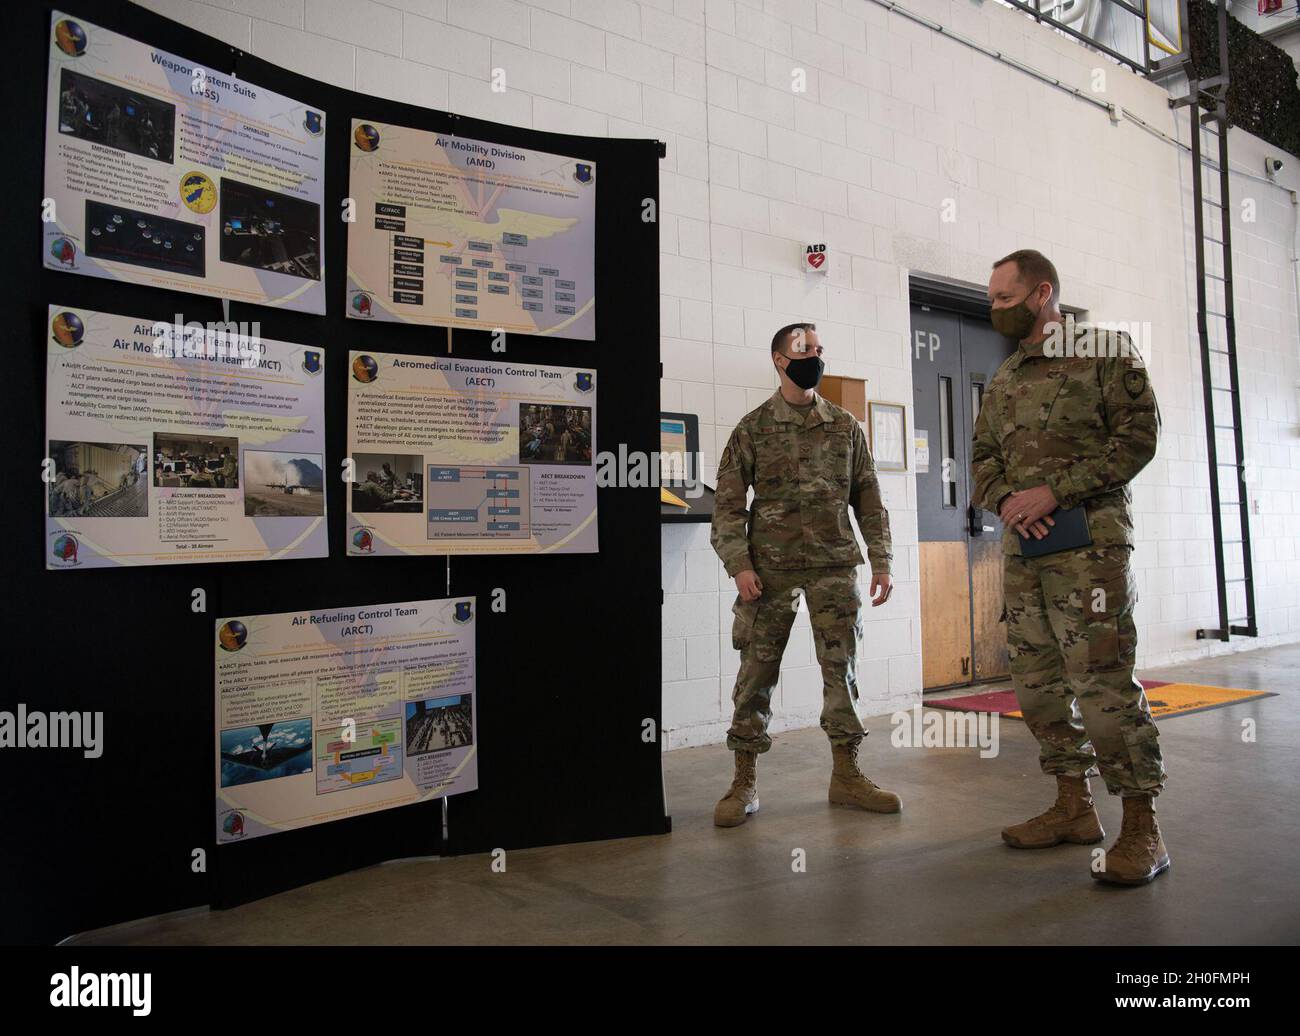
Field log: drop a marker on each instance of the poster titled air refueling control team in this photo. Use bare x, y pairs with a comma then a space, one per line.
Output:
458, 456
329, 714
162, 172
470, 233
173, 445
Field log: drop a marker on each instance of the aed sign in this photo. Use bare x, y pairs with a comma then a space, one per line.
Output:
815, 258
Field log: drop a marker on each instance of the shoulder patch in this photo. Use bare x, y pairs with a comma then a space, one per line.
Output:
725, 459
1135, 383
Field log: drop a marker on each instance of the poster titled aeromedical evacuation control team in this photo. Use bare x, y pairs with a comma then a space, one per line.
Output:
329, 714
470, 233
166, 173
460, 456
169, 445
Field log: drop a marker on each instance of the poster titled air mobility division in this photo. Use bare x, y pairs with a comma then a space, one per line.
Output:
460, 456
329, 714
170, 445
470, 233
166, 173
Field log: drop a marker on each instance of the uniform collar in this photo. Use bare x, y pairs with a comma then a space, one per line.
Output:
819, 414
1027, 351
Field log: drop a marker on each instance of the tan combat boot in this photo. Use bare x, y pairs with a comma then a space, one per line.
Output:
733, 808
1072, 818
850, 788
1139, 854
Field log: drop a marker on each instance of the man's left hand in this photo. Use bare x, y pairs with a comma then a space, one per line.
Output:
1027, 511
881, 588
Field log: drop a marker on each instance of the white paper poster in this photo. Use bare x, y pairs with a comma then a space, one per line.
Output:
176, 446
470, 233
460, 456
162, 172
329, 714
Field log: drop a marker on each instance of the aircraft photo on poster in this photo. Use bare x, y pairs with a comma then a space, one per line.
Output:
168, 448
329, 714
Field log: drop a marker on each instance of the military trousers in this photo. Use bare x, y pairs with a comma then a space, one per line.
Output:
1072, 645
760, 630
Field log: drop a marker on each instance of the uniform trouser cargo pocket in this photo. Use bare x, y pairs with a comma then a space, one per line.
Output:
742, 624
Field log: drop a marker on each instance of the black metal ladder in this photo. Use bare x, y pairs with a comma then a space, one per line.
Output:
1217, 333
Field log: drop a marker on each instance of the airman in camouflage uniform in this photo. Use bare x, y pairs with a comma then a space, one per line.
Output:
808, 464
1061, 426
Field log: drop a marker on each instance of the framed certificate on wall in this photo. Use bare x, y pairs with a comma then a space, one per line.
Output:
887, 429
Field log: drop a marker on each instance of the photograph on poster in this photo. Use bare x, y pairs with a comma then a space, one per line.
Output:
216, 190
554, 434
99, 480
283, 484
177, 448
103, 113
388, 484
322, 715
269, 231
143, 239
195, 461
506, 462
470, 233
439, 724
265, 752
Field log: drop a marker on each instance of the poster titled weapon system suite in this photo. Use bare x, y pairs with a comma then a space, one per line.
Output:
162, 172
329, 714
470, 233
460, 456
170, 445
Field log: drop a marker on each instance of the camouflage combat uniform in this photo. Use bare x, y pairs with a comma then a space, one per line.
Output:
1084, 426
807, 470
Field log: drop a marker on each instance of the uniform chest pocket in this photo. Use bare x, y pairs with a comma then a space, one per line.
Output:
835, 462
1036, 400
775, 462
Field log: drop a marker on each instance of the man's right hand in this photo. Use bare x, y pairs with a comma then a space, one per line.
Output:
748, 585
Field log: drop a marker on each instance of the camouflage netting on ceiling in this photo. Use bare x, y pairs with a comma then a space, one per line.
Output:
1263, 97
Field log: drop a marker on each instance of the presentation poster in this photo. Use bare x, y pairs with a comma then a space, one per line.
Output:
459, 456
468, 233
173, 445
330, 714
162, 172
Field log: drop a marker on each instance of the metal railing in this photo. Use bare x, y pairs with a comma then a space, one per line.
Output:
1155, 27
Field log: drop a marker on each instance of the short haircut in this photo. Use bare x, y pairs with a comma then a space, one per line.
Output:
781, 337
1033, 267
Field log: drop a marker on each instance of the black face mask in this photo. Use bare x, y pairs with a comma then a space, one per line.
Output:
805, 373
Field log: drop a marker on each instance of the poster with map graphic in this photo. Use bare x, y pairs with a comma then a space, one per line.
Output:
174, 445
159, 171
470, 233
460, 456
329, 714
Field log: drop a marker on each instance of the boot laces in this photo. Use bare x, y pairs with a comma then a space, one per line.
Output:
849, 760
1135, 828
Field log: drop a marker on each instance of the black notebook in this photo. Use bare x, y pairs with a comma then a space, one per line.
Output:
1069, 533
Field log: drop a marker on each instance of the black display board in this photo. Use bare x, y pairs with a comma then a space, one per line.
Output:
567, 674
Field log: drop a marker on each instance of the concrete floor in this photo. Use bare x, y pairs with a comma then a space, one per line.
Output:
937, 873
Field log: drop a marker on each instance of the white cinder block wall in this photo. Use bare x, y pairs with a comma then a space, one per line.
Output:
895, 119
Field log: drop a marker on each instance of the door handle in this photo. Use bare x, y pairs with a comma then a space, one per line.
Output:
975, 522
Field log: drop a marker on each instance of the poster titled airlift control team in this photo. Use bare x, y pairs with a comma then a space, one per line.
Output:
174, 445
470, 233
329, 714
159, 171
461, 456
